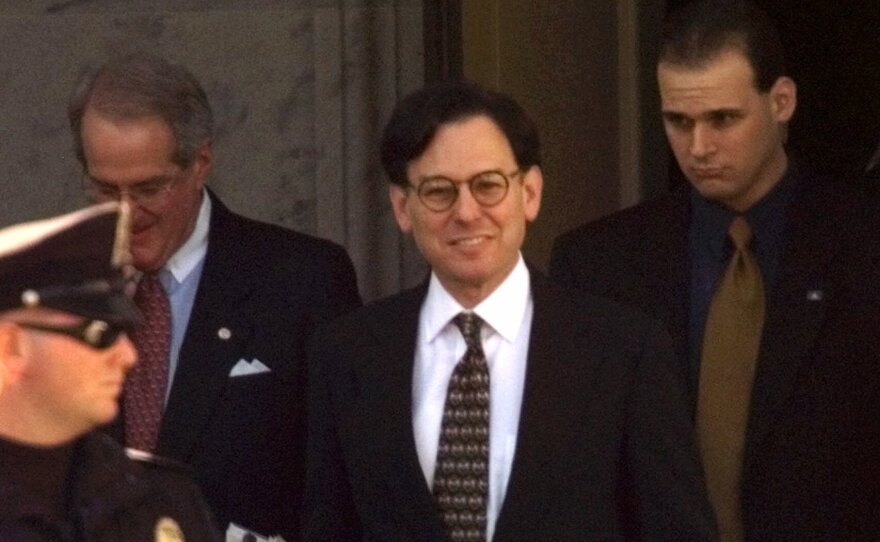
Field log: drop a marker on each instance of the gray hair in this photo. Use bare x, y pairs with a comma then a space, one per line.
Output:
142, 85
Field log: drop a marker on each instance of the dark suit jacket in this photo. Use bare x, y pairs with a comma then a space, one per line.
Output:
812, 436
111, 497
602, 424
245, 436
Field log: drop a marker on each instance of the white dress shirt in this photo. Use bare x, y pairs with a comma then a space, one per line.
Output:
507, 314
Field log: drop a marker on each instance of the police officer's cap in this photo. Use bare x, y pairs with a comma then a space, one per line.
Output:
72, 263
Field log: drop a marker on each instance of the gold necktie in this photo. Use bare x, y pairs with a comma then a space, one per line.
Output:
730, 351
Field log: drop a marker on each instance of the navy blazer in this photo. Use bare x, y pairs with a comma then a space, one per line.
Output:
604, 449
244, 437
813, 434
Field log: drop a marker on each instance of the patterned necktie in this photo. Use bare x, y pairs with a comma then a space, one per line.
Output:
461, 479
727, 368
146, 383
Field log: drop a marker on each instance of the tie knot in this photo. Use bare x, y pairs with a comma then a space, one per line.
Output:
149, 289
469, 325
740, 233
149, 280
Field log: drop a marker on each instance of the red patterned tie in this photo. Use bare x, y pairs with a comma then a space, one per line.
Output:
146, 383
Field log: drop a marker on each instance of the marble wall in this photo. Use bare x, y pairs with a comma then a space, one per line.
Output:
300, 91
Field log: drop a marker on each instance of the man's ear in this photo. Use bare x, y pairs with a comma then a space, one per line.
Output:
399, 197
783, 99
203, 163
533, 186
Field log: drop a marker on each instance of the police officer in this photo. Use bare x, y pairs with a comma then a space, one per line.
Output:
64, 354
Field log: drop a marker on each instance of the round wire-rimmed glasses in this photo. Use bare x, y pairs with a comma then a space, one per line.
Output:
488, 188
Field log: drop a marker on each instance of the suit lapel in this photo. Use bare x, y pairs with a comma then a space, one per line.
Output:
797, 310
212, 340
661, 269
668, 259
387, 371
652, 242
551, 379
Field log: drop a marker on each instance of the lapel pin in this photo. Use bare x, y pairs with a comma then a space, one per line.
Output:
815, 295
224, 333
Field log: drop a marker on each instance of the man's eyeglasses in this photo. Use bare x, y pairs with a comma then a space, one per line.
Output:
95, 333
145, 193
488, 188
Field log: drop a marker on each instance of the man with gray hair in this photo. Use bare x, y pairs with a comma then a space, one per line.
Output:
229, 302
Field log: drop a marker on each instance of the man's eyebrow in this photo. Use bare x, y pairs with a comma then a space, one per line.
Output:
673, 115
724, 111
434, 178
148, 180
445, 178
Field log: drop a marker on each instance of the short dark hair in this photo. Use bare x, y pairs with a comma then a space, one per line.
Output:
698, 32
142, 85
417, 117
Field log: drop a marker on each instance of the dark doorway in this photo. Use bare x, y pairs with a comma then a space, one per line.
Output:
442, 36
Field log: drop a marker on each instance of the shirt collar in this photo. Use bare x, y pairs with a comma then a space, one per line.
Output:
766, 218
502, 310
193, 250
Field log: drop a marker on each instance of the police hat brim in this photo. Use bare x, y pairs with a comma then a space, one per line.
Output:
71, 263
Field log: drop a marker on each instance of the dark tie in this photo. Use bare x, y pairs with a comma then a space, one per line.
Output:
146, 383
461, 478
727, 368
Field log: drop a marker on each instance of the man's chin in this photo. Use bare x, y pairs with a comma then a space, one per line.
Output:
714, 189
144, 261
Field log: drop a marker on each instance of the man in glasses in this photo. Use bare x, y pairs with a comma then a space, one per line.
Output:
64, 355
229, 303
486, 404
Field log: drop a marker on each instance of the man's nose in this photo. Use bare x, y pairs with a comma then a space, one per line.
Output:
466, 206
702, 141
124, 351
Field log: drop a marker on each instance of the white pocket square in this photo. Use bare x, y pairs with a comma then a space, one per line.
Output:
245, 368
237, 533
